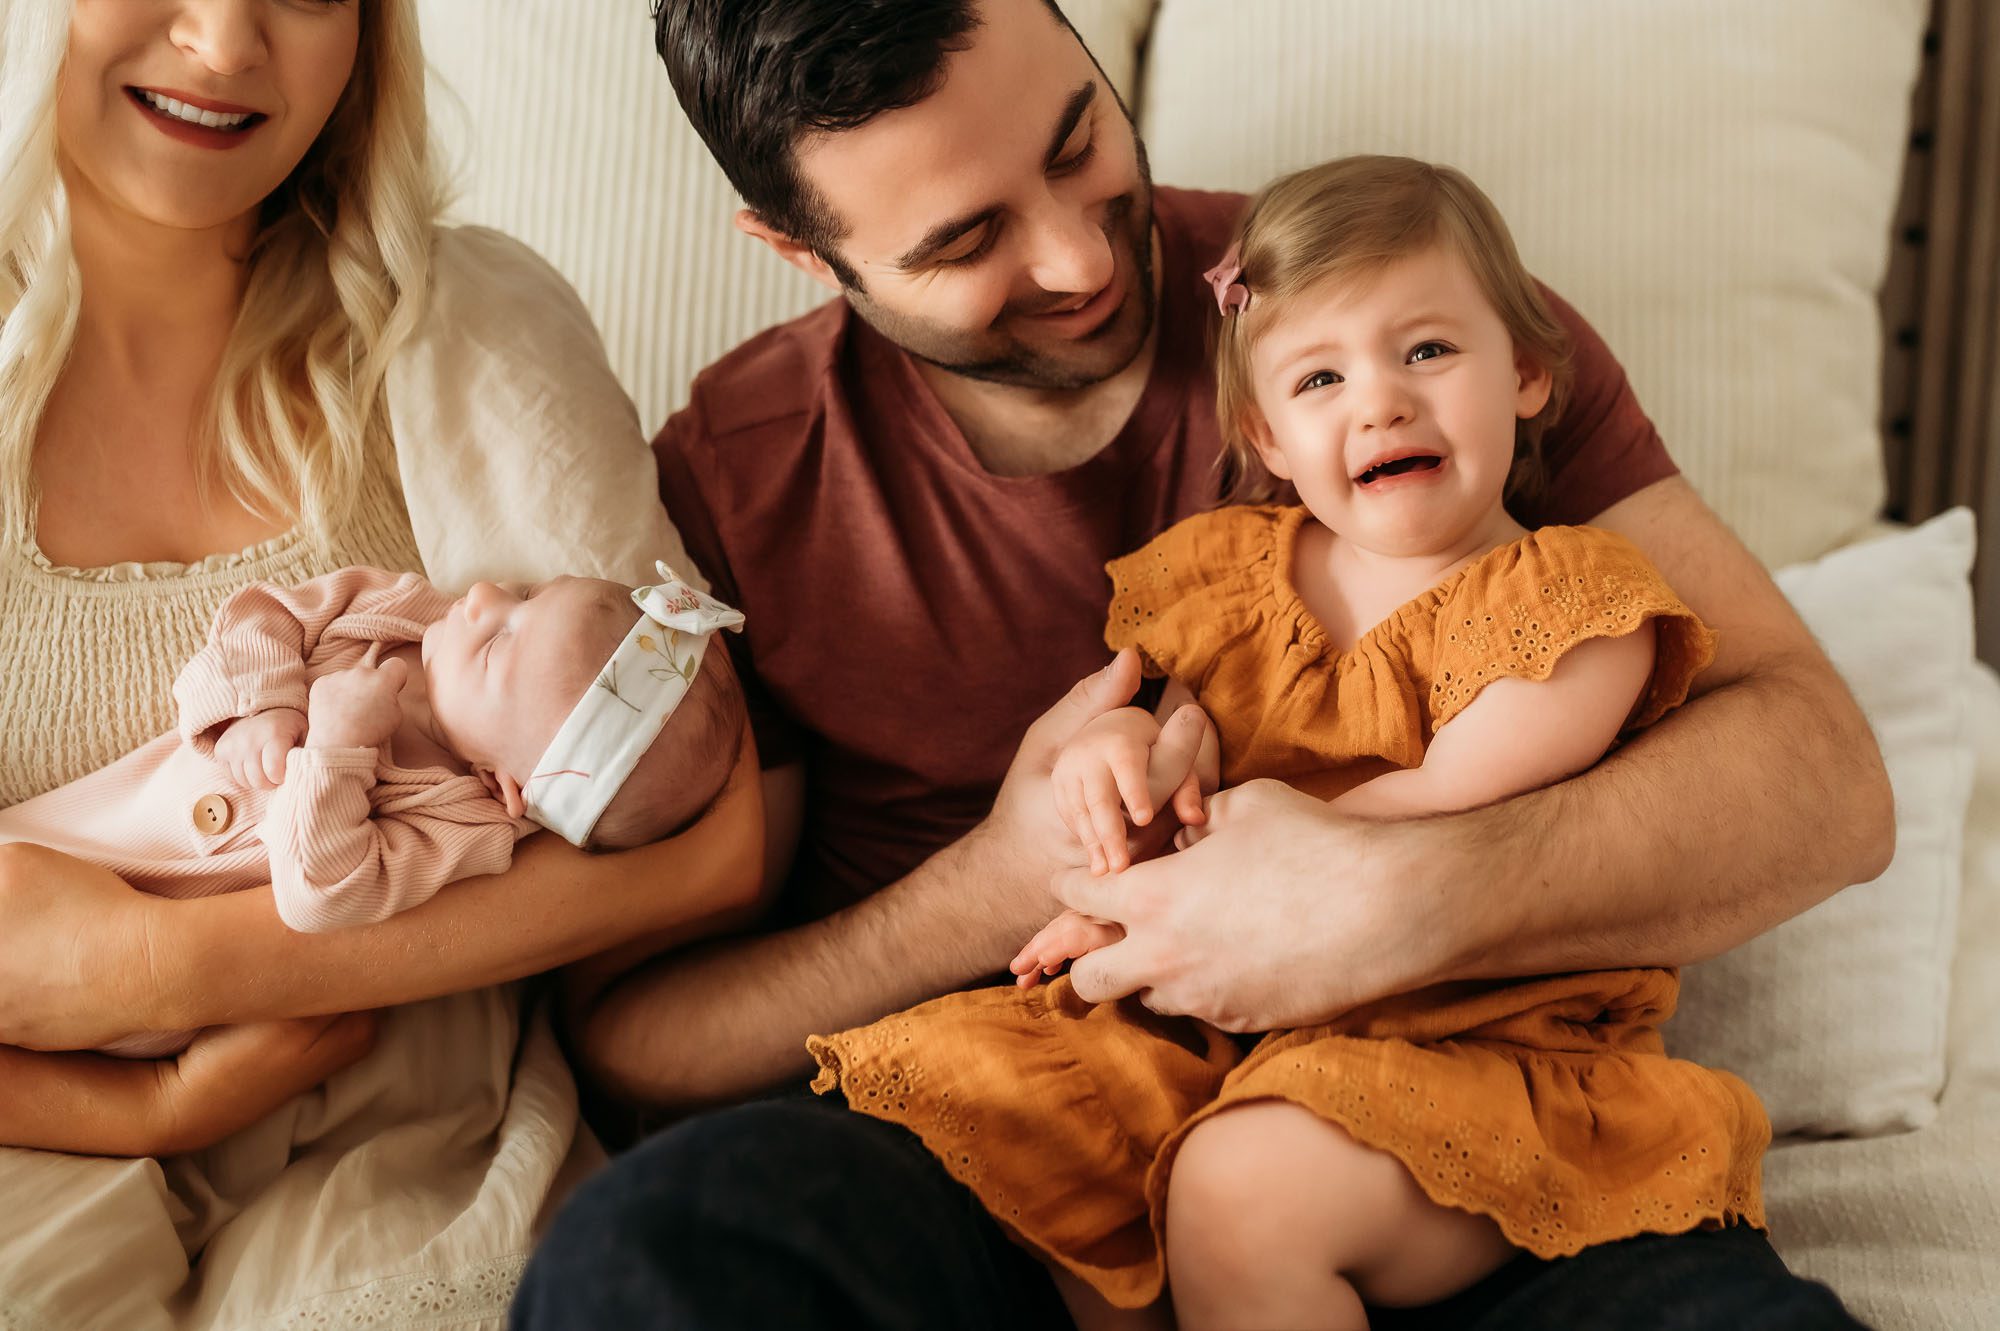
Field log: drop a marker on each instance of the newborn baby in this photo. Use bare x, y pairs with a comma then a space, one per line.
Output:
362, 739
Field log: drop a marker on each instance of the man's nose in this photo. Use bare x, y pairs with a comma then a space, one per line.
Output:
1070, 253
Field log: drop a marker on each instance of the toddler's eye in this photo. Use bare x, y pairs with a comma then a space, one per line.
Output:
1318, 379
1430, 351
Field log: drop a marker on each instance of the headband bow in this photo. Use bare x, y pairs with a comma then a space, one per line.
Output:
626, 707
1231, 295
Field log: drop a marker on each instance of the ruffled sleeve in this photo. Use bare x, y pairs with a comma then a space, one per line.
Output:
1181, 599
1518, 611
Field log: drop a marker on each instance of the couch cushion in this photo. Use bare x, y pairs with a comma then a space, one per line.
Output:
1838, 1017
1904, 1226
1709, 181
563, 131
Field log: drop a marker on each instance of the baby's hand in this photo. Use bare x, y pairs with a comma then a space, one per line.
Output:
357, 708
253, 749
1126, 763
1063, 939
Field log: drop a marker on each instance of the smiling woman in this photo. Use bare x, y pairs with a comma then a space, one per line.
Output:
237, 347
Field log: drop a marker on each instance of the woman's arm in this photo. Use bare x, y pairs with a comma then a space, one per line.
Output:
91, 1104
86, 959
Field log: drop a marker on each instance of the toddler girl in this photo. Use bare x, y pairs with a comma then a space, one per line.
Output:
362, 739
1396, 644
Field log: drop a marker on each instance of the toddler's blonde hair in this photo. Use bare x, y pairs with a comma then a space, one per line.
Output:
1347, 220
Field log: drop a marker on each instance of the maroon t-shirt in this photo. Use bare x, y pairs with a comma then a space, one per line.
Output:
909, 613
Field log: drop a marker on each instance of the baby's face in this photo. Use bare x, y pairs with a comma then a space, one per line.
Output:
509, 660
1392, 404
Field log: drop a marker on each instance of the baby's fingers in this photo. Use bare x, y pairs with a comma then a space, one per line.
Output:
273, 772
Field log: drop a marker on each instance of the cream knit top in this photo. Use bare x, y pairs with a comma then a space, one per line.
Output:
516, 454
88, 656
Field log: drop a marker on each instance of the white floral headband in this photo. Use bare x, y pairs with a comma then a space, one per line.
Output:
620, 715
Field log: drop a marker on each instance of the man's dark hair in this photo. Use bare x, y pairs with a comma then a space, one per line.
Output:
756, 75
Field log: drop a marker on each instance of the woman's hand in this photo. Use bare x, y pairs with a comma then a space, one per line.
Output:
76, 961
227, 1079
231, 1076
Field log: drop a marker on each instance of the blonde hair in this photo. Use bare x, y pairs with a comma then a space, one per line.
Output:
1347, 220
339, 276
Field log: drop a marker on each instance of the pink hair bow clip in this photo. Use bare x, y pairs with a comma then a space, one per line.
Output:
1231, 296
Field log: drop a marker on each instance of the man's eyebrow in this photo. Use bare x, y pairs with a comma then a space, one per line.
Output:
1079, 102
944, 233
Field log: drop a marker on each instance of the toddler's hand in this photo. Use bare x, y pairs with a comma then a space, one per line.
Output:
357, 708
1126, 763
1063, 939
253, 749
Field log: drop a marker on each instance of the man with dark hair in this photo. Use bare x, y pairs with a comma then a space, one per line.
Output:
912, 492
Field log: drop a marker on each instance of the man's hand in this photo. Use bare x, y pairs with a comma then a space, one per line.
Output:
253, 748
357, 708
1024, 837
1283, 914
1124, 764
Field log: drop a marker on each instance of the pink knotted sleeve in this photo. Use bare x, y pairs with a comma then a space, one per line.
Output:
264, 635
339, 861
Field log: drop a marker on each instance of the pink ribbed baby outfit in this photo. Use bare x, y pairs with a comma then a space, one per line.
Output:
350, 838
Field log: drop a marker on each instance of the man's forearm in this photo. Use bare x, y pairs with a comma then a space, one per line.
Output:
731, 1020
1751, 804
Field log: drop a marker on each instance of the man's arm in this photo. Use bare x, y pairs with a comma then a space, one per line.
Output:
85, 959
731, 1019
1760, 797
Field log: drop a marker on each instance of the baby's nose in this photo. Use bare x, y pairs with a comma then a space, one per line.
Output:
482, 597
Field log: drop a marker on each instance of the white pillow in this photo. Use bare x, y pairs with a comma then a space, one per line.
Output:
561, 129
1709, 181
1838, 1018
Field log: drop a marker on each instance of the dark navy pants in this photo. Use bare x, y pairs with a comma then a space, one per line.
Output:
795, 1213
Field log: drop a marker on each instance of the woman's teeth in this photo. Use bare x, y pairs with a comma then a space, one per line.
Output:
192, 115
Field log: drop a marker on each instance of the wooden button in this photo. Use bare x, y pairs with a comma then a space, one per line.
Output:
211, 815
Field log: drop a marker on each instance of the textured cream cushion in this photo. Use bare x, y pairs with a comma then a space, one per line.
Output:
1905, 1226
563, 131
1837, 1018
1710, 182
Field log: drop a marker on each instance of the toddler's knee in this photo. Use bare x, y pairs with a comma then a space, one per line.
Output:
1232, 1198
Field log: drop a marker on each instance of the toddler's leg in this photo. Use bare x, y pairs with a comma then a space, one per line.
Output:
1277, 1218
1090, 1312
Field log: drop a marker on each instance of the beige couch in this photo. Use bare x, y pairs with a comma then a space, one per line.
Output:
1710, 182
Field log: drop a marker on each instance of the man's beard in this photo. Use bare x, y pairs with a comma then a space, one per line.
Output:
995, 355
